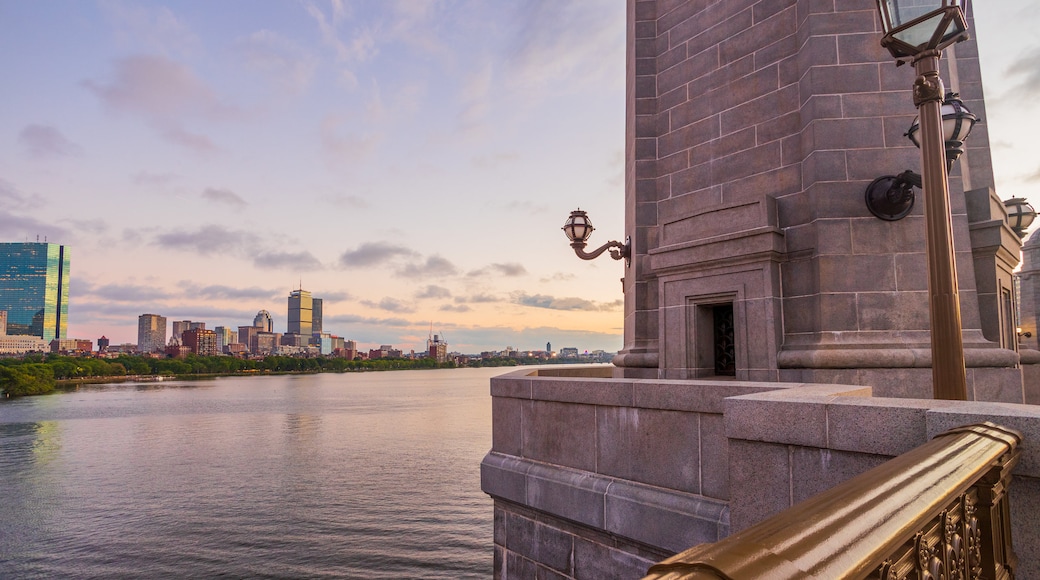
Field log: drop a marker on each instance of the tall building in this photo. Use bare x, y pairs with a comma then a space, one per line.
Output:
201, 341
3, 322
225, 336
316, 315
247, 336
151, 333
263, 321
179, 326
34, 289
301, 307
437, 349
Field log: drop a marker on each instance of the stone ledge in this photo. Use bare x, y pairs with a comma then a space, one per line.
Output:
650, 515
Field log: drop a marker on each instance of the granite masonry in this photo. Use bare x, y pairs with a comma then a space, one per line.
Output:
776, 333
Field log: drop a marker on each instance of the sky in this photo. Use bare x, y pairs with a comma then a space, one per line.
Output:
410, 162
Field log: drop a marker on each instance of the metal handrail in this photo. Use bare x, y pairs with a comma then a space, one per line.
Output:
938, 508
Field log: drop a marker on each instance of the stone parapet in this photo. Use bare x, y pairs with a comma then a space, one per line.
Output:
596, 477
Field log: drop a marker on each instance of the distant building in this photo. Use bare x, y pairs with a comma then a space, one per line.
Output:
34, 289
263, 321
102, 344
200, 341
437, 349
247, 335
301, 311
316, 304
21, 344
265, 342
225, 336
71, 346
151, 332
569, 352
3, 322
177, 331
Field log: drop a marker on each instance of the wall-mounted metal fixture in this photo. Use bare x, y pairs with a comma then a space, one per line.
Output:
578, 228
891, 197
916, 31
1026, 334
1020, 215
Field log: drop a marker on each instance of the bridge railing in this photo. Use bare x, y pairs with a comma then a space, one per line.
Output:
938, 511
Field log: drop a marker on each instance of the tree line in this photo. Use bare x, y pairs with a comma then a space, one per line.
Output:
38, 374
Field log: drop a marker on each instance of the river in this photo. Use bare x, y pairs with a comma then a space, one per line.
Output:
353, 475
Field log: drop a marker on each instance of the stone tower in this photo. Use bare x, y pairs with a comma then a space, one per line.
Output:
753, 129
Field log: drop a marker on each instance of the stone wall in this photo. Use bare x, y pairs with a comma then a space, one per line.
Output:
595, 477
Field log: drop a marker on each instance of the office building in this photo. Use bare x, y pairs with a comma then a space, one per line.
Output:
201, 341
301, 306
225, 336
34, 289
316, 315
247, 336
263, 321
3, 322
151, 333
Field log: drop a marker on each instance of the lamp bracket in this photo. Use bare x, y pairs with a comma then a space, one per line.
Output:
617, 250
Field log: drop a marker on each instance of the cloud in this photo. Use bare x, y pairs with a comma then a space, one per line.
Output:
1025, 66
1033, 177
511, 270
338, 296
555, 303
128, 293
454, 308
223, 196
390, 305
557, 45
12, 198
373, 253
165, 93
46, 142
301, 261
435, 266
15, 226
159, 29
358, 48
209, 239
432, 291
477, 299
219, 291
559, 277
279, 60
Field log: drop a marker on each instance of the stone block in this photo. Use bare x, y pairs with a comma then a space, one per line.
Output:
504, 477
876, 426
801, 314
506, 425
762, 33
776, 417
912, 269
1025, 534
714, 457
836, 79
893, 310
589, 391
714, 26
818, 470
518, 567
539, 543
760, 159
670, 521
778, 51
695, 66
835, 236
824, 166
751, 465
687, 135
859, 133
516, 384
570, 494
560, 433
838, 312
593, 561
659, 448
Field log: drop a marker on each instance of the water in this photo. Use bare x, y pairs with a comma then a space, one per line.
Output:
371, 475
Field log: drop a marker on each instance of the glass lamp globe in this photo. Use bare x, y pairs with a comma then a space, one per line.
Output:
914, 26
957, 121
578, 227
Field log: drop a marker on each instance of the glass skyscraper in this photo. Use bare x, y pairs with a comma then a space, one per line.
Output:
34, 289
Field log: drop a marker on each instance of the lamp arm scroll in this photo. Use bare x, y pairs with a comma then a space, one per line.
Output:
617, 250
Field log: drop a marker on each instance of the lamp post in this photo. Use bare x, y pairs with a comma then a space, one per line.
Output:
916, 31
578, 228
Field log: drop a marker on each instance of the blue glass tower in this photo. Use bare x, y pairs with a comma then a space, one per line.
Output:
34, 289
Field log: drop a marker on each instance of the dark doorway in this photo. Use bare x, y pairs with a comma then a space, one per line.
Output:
725, 353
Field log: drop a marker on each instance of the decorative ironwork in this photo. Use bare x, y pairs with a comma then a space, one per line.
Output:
725, 348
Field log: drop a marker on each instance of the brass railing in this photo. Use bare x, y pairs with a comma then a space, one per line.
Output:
938, 511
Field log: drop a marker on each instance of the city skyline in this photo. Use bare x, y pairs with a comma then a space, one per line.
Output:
410, 163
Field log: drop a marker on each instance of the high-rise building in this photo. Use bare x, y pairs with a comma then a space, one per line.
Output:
263, 321
201, 341
34, 289
3, 322
179, 326
301, 307
225, 336
316, 315
151, 333
247, 336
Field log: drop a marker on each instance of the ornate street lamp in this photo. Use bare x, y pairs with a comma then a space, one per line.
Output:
916, 31
891, 197
578, 228
1020, 215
